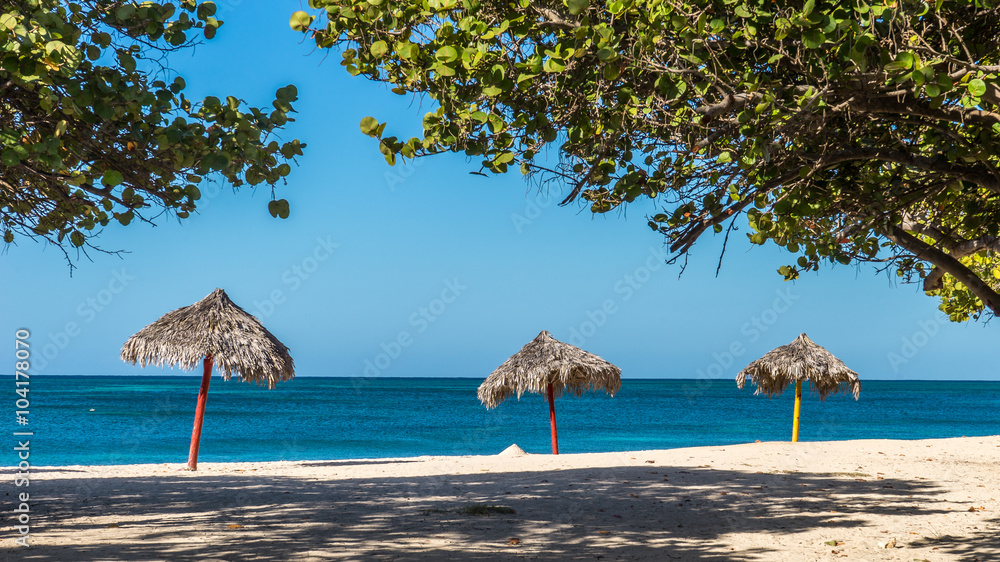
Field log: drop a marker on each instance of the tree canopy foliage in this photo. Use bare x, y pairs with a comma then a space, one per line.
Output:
93, 129
848, 131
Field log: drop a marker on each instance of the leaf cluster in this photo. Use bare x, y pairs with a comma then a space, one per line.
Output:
91, 132
845, 132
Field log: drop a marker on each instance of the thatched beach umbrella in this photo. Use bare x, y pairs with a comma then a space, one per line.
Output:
548, 365
801, 360
212, 330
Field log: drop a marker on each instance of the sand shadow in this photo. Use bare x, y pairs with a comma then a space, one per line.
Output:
981, 546
648, 513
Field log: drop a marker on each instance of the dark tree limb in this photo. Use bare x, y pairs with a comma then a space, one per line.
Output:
948, 264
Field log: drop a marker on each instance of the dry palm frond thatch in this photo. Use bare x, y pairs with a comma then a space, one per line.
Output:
546, 360
800, 361
549, 366
237, 342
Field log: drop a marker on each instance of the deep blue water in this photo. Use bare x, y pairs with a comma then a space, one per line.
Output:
121, 420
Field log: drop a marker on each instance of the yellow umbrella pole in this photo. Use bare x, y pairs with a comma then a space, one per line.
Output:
798, 407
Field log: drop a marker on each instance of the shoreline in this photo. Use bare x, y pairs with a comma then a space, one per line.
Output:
937, 499
374, 460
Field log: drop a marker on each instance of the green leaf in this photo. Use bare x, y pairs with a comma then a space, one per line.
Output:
10, 157
808, 8
112, 178
446, 54
300, 21
496, 123
287, 94
904, 61
278, 208
369, 125
408, 50
76, 238
944, 82
127, 62
283, 209
932, 90
534, 64
503, 158
553, 65
577, 6
977, 87
725, 157
205, 10
379, 48
813, 39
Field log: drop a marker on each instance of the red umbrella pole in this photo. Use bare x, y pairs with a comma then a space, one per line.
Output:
199, 414
552, 421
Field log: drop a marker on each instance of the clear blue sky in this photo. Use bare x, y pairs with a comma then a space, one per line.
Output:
467, 269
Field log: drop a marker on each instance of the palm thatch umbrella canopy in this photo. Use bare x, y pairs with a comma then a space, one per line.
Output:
547, 365
212, 330
799, 361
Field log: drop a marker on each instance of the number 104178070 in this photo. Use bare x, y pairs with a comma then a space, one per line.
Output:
23, 354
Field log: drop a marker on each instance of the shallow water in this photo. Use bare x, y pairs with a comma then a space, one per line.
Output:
123, 420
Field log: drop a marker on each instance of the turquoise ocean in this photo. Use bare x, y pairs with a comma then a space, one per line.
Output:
101, 420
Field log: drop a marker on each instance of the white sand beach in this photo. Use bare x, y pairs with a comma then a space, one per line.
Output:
935, 500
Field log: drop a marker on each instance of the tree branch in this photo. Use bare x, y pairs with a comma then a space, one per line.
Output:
553, 19
967, 173
922, 109
935, 279
948, 264
728, 103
